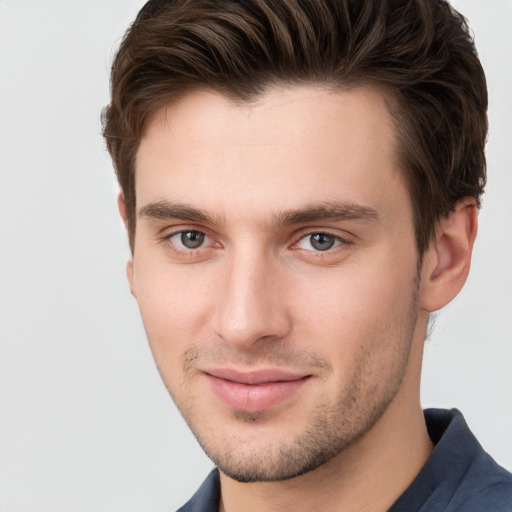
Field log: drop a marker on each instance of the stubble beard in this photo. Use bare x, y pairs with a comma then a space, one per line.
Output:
333, 425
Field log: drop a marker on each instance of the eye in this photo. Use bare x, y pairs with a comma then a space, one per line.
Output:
189, 239
319, 242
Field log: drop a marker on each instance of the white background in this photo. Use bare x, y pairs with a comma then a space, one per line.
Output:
85, 423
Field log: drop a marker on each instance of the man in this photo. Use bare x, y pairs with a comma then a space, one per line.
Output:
300, 183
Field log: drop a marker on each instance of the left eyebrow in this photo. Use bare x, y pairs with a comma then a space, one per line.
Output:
332, 211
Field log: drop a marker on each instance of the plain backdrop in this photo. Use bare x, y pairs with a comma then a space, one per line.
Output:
85, 423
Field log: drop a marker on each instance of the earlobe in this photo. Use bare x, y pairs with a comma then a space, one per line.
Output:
130, 276
447, 262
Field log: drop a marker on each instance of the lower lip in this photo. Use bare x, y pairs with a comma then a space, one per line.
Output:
254, 397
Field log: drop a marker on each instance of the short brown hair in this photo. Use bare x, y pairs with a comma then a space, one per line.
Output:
418, 50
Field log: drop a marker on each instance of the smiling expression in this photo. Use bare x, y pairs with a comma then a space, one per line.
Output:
275, 267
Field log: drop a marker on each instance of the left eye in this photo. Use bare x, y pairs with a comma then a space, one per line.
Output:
319, 242
189, 239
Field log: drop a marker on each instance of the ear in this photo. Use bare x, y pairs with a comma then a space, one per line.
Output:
121, 205
448, 259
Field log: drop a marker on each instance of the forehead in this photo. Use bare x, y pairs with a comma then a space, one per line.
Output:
289, 147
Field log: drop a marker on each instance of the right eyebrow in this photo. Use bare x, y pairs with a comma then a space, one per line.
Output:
164, 210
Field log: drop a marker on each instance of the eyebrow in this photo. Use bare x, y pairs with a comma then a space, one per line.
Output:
331, 211
163, 210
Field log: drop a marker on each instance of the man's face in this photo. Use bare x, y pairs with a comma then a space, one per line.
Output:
276, 271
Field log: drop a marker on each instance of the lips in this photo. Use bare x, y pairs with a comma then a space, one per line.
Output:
254, 391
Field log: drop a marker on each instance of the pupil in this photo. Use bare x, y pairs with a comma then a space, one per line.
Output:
322, 242
192, 239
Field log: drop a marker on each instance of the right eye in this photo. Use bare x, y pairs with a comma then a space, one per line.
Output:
189, 240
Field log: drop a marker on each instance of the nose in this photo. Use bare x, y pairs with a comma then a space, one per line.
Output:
251, 305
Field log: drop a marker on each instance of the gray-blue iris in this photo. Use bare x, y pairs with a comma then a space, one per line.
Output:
192, 239
321, 241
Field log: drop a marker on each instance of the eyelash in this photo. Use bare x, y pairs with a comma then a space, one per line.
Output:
194, 252
185, 251
338, 240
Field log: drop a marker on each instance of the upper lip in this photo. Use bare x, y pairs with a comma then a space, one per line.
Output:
261, 376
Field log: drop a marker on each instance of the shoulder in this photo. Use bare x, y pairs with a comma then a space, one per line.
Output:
459, 475
492, 497
485, 486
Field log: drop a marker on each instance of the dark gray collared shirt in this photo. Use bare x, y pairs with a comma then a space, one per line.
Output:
459, 475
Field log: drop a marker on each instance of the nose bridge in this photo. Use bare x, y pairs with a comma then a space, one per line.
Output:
250, 307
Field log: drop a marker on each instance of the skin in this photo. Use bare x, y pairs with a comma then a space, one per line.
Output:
256, 294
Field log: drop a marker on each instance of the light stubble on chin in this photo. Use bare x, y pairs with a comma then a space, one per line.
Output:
333, 424
331, 428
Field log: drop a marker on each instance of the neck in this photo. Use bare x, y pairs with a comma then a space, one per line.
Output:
368, 476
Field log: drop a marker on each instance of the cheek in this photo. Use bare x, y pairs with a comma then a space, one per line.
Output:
174, 305
352, 308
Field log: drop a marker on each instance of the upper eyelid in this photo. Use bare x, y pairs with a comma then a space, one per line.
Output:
186, 230
344, 242
188, 252
169, 231
346, 237
193, 225
181, 231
